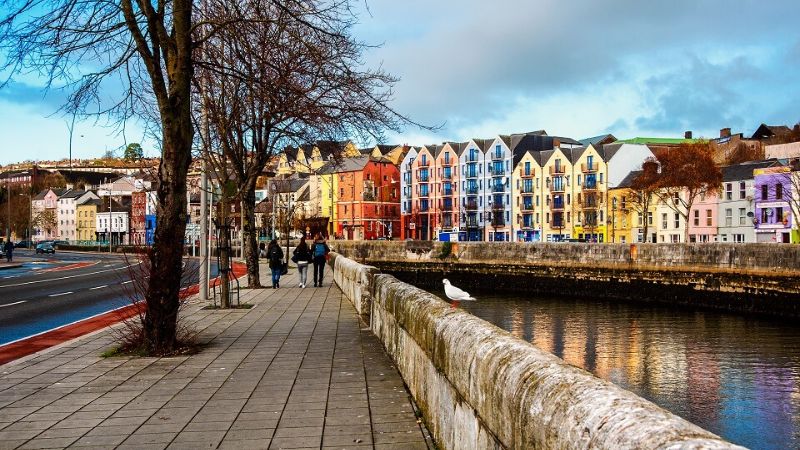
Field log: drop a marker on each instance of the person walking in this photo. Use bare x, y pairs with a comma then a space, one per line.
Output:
302, 256
319, 252
275, 257
9, 249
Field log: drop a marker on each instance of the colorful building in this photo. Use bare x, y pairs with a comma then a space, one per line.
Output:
773, 210
368, 200
86, 211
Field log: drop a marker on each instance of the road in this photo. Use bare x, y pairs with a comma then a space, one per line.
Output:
53, 290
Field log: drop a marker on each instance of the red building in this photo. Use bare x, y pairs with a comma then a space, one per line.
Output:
368, 205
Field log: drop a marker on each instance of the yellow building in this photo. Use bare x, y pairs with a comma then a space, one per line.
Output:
557, 204
309, 158
85, 214
589, 194
328, 186
526, 204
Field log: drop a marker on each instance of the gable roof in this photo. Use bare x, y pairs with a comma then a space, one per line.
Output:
352, 164
74, 193
744, 171
609, 150
598, 140
529, 143
655, 140
628, 180
765, 131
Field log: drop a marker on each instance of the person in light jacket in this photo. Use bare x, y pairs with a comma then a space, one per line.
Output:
302, 256
319, 251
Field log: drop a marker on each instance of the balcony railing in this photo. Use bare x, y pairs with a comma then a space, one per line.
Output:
423, 178
527, 190
556, 170
369, 196
589, 204
472, 206
589, 187
424, 208
587, 167
527, 206
472, 223
472, 190
555, 188
498, 188
447, 176
497, 156
424, 194
472, 174
447, 207
497, 171
529, 174
557, 224
424, 163
472, 158
558, 205
447, 192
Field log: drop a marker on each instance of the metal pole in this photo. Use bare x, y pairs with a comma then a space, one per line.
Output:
210, 233
203, 234
110, 219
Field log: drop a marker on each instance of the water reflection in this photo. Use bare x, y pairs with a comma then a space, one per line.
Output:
735, 376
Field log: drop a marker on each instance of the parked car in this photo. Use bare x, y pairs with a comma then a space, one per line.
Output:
22, 244
45, 247
57, 243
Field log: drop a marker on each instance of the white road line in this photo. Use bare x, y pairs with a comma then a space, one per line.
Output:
67, 277
126, 282
98, 287
11, 304
59, 295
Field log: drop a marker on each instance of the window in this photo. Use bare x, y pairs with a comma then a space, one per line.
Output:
697, 217
728, 217
742, 216
764, 192
650, 218
677, 220
728, 191
639, 218
664, 221
742, 190
778, 191
708, 217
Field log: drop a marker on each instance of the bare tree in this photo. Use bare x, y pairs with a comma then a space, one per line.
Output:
288, 76
644, 187
686, 172
146, 47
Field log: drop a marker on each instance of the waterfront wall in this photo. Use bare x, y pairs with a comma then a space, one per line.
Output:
759, 279
480, 387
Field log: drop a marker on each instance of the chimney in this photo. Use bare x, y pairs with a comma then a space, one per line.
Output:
725, 132
687, 135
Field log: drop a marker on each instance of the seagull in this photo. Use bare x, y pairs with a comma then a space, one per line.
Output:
454, 293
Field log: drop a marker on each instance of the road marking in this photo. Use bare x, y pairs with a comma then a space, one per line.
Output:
126, 282
12, 304
98, 287
10, 276
68, 276
59, 295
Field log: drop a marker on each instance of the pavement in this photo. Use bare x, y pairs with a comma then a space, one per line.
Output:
298, 370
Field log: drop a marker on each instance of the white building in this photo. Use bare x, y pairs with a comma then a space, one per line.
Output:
67, 203
736, 207
113, 222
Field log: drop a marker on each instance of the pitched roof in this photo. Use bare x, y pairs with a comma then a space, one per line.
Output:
384, 149
352, 164
599, 140
41, 195
73, 194
766, 131
533, 143
652, 140
628, 180
609, 150
93, 178
566, 140
744, 171
288, 185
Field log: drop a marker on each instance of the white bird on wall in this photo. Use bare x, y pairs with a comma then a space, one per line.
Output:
454, 293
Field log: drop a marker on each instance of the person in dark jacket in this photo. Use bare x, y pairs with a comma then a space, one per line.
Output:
9, 249
302, 256
319, 251
275, 258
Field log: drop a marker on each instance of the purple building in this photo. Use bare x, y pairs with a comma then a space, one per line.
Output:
773, 212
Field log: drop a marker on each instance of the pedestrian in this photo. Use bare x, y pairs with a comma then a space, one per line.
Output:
262, 250
9, 248
275, 256
302, 256
319, 252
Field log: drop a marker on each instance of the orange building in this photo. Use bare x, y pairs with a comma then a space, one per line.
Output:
368, 204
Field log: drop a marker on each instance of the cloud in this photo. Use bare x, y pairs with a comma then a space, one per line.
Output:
35, 97
469, 62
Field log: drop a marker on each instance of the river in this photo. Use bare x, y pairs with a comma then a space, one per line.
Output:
735, 376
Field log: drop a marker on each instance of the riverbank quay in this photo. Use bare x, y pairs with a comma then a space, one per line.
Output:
480, 387
761, 279
297, 370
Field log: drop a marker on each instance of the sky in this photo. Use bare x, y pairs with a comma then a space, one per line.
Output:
576, 68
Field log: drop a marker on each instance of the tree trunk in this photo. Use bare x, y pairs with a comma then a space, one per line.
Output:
166, 257
250, 234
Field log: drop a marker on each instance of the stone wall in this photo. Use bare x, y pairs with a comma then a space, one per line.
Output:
759, 279
480, 387
773, 258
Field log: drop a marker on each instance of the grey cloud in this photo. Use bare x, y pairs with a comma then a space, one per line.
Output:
467, 67
44, 101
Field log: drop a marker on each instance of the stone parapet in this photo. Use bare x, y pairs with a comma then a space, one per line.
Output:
480, 387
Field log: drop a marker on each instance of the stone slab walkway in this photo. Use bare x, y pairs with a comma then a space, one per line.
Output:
298, 370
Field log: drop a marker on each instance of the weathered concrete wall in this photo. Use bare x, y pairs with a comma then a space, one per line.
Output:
774, 258
480, 387
354, 280
701, 275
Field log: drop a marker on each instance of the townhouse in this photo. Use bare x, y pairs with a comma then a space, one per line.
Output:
44, 212
736, 210
68, 213
86, 211
368, 198
774, 195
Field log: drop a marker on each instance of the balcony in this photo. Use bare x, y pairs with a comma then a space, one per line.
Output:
472, 190
497, 171
528, 174
589, 204
587, 167
556, 188
368, 196
472, 157
472, 174
447, 192
556, 224
527, 206
423, 208
472, 223
447, 176
423, 163
497, 156
557, 206
589, 187
498, 188
527, 189
472, 205
422, 178
556, 170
